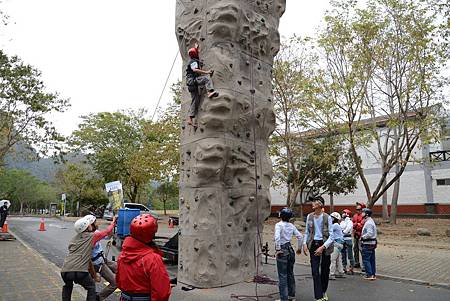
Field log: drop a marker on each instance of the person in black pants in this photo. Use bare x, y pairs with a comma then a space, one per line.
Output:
3, 214
318, 240
82, 278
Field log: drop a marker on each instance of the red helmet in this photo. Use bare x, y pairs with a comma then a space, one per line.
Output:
143, 227
193, 53
347, 211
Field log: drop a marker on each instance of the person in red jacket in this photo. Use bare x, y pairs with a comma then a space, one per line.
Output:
141, 274
358, 223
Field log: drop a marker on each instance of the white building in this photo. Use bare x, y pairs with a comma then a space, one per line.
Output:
424, 185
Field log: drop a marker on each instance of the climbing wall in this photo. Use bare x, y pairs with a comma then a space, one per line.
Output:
225, 167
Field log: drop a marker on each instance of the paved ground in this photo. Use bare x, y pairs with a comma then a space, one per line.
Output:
352, 288
25, 275
44, 280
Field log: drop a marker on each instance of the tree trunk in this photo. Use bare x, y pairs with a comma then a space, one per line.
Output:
385, 213
397, 183
293, 197
394, 201
164, 206
301, 204
331, 202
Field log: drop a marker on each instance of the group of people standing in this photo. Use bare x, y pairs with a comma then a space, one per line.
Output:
333, 242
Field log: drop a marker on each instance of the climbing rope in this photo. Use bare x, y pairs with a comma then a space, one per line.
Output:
165, 84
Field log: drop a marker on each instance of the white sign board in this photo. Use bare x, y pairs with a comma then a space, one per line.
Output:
113, 186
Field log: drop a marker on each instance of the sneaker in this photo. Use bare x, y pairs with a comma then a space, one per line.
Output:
369, 278
325, 297
291, 299
332, 277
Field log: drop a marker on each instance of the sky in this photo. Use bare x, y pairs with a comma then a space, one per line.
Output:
109, 55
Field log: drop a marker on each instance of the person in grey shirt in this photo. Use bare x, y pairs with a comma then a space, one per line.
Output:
318, 240
369, 244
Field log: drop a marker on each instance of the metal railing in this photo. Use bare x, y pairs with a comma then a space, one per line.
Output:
440, 156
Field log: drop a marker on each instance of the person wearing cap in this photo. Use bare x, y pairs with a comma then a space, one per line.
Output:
141, 274
358, 223
197, 77
318, 240
285, 255
77, 264
369, 244
347, 250
336, 269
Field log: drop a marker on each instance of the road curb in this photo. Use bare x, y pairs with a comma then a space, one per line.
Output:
53, 266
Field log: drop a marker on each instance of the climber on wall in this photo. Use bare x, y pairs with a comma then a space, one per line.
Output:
197, 77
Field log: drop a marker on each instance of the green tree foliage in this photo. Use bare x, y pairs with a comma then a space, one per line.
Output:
128, 147
165, 196
80, 183
25, 191
25, 107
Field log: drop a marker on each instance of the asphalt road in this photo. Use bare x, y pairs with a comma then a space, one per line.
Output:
53, 243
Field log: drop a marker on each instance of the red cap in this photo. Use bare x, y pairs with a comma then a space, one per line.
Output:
193, 53
361, 204
143, 227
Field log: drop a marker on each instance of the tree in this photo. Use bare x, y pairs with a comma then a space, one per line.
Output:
81, 184
25, 107
382, 70
126, 146
25, 190
308, 157
167, 191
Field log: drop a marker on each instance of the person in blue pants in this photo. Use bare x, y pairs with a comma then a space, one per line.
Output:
284, 230
369, 244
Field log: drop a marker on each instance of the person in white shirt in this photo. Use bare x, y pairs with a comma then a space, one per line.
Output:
347, 250
284, 230
369, 244
336, 269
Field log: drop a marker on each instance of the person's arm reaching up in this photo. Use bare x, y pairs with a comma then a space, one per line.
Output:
99, 235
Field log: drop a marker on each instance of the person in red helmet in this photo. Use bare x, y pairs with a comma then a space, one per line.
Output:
141, 274
358, 223
197, 77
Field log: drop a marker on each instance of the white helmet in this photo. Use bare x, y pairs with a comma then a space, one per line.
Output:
83, 223
336, 215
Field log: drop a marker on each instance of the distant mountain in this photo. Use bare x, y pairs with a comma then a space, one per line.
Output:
25, 158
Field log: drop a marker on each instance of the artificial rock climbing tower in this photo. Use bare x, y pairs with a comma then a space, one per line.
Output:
225, 167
